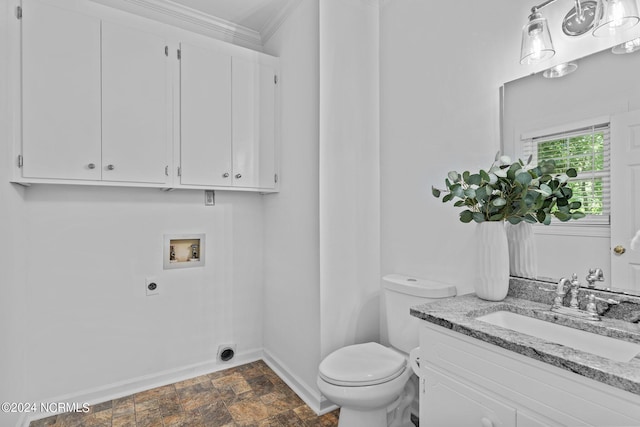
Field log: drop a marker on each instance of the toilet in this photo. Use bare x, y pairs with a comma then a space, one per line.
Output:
374, 385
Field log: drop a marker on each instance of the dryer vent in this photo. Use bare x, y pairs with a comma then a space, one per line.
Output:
226, 352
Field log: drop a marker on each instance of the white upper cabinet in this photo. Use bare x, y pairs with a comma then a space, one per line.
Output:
227, 120
115, 99
205, 117
253, 131
135, 118
60, 93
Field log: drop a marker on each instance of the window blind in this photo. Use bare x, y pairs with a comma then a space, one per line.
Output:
588, 151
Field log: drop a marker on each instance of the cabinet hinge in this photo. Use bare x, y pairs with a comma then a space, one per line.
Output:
275, 178
19, 12
179, 171
20, 161
275, 79
166, 51
179, 54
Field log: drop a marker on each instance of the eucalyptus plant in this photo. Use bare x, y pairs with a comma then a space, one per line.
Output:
512, 192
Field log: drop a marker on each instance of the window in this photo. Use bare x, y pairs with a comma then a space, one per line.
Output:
587, 151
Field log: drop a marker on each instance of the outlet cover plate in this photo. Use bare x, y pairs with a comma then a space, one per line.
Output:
149, 287
209, 198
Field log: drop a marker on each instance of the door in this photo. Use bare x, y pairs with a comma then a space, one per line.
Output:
135, 115
60, 93
205, 117
253, 130
625, 200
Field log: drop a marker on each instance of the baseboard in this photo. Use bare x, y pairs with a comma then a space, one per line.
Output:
309, 395
136, 385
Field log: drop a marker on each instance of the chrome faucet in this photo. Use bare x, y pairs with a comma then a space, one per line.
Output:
573, 285
595, 275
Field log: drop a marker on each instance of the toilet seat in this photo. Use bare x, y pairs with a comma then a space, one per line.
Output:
362, 365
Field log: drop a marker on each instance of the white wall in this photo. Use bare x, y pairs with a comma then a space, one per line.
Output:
349, 173
89, 250
322, 275
13, 330
439, 112
74, 318
292, 241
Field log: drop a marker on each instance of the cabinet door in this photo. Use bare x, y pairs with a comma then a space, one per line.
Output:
60, 93
253, 131
445, 402
135, 104
205, 117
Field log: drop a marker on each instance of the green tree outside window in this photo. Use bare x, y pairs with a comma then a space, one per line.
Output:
584, 153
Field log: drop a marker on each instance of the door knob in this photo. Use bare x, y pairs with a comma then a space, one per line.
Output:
619, 250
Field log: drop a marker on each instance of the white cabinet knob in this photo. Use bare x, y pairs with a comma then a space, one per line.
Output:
91, 165
111, 167
225, 175
238, 176
486, 422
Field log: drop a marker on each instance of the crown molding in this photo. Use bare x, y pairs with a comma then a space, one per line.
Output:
276, 22
190, 19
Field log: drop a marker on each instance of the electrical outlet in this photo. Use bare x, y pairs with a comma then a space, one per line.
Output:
151, 286
209, 198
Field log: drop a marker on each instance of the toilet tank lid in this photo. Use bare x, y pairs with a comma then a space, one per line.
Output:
418, 287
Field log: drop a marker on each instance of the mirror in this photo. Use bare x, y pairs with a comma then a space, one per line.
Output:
604, 86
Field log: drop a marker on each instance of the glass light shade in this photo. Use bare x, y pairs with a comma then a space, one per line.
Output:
614, 16
560, 70
627, 47
536, 40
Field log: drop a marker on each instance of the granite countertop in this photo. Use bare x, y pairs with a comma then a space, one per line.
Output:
459, 314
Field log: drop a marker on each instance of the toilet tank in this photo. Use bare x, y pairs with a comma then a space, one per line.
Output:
401, 293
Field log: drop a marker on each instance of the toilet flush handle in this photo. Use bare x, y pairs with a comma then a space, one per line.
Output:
414, 360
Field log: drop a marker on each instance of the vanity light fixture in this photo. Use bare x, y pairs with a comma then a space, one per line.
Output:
580, 19
627, 47
604, 17
615, 15
560, 70
536, 39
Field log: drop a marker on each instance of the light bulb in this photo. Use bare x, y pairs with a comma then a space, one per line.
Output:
617, 14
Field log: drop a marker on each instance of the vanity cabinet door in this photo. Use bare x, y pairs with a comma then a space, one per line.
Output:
253, 129
445, 402
205, 117
60, 93
135, 116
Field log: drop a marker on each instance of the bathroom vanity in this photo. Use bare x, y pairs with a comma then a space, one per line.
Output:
475, 373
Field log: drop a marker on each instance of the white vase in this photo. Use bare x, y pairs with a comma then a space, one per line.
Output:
492, 261
523, 257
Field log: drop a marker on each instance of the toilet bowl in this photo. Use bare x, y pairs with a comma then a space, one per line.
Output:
370, 382
364, 379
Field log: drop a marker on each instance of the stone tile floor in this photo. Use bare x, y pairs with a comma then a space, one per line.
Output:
247, 395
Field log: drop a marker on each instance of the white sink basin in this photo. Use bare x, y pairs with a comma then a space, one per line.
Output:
611, 348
